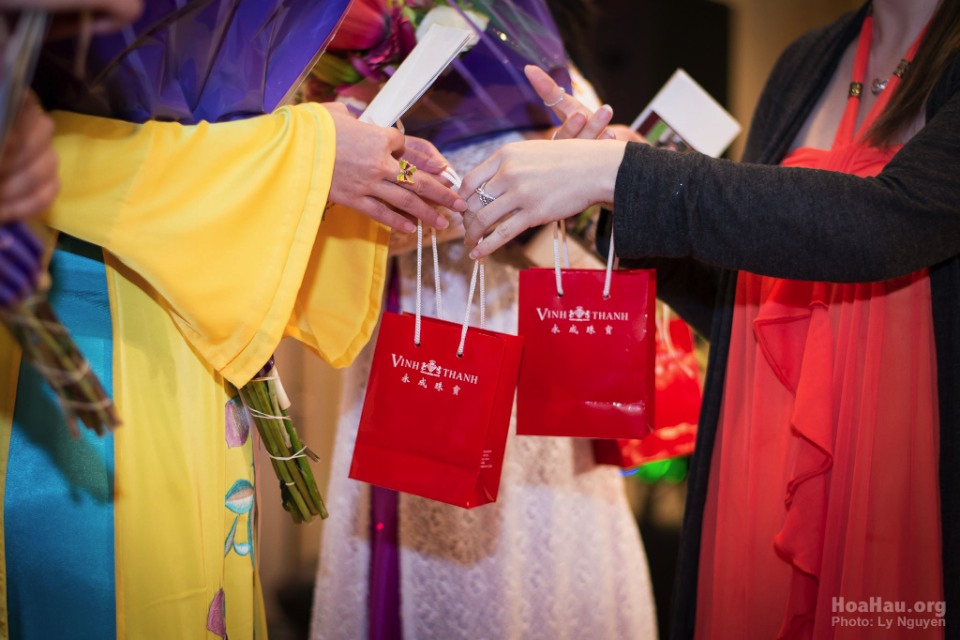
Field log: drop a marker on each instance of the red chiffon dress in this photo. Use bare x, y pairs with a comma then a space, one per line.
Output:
823, 510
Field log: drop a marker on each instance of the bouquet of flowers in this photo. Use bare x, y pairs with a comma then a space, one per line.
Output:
209, 60
45, 342
24, 308
482, 92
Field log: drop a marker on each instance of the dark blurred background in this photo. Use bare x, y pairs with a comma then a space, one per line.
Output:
635, 46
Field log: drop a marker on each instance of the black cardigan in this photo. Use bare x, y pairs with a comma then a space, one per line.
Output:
703, 219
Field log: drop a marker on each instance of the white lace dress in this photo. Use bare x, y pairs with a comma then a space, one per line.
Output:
557, 556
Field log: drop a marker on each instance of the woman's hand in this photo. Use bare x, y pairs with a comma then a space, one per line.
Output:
545, 183
366, 175
102, 16
578, 121
535, 182
119, 11
424, 155
28, 167
626, 134
427, 158
401, 243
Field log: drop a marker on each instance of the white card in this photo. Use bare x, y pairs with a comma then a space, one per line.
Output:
684, 116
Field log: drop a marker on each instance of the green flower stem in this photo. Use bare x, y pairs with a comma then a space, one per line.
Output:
255, 397
295, 467
292, 484
298, 486
304, 465
292, 467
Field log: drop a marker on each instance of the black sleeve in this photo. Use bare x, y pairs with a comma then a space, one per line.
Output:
687, 286
799, 223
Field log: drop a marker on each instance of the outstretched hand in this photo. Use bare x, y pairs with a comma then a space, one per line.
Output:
577, 120
534, 182
531, 183
28, 166
121, 11
367, 175
424, 155
102, 16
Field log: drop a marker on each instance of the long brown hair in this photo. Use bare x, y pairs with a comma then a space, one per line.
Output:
939, 45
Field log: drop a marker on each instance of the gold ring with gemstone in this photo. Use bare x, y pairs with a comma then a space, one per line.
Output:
407, 169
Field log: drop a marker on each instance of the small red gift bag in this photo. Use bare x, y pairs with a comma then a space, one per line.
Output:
437, 409
678, 398
588, 359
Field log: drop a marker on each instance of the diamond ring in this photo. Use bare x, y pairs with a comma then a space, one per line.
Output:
485, 198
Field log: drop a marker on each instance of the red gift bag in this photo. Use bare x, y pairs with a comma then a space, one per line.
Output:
678, 399
437, 409
587, 368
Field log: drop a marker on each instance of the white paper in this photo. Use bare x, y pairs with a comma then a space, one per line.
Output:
416, 73
693, 114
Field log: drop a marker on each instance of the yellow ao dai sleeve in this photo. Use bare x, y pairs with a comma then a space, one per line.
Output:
216, 245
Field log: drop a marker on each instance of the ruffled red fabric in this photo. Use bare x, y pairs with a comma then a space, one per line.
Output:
823, 485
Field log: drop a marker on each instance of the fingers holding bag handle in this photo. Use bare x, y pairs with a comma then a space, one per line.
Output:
560, 238
477, 270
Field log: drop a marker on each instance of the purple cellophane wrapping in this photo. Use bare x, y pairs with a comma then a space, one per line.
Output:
485, 91
21, 255
193, 60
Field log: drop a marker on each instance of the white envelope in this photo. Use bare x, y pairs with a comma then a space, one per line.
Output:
683, 115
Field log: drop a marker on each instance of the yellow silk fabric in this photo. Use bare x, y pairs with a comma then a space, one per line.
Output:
221, 221
216, 246
172, 471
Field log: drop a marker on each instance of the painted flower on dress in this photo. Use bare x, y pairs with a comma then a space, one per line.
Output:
217, 615
239, 500
237, 421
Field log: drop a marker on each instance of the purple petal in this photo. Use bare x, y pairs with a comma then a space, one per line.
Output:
19, 263
237, 422
267, 368
27, 238
228, 543
217, 615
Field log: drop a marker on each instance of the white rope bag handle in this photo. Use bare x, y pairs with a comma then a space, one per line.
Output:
477, 271
436, 279
560, 239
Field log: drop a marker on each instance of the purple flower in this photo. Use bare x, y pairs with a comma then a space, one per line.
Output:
20, 254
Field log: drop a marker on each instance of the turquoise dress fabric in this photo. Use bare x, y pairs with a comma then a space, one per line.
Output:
58, 502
